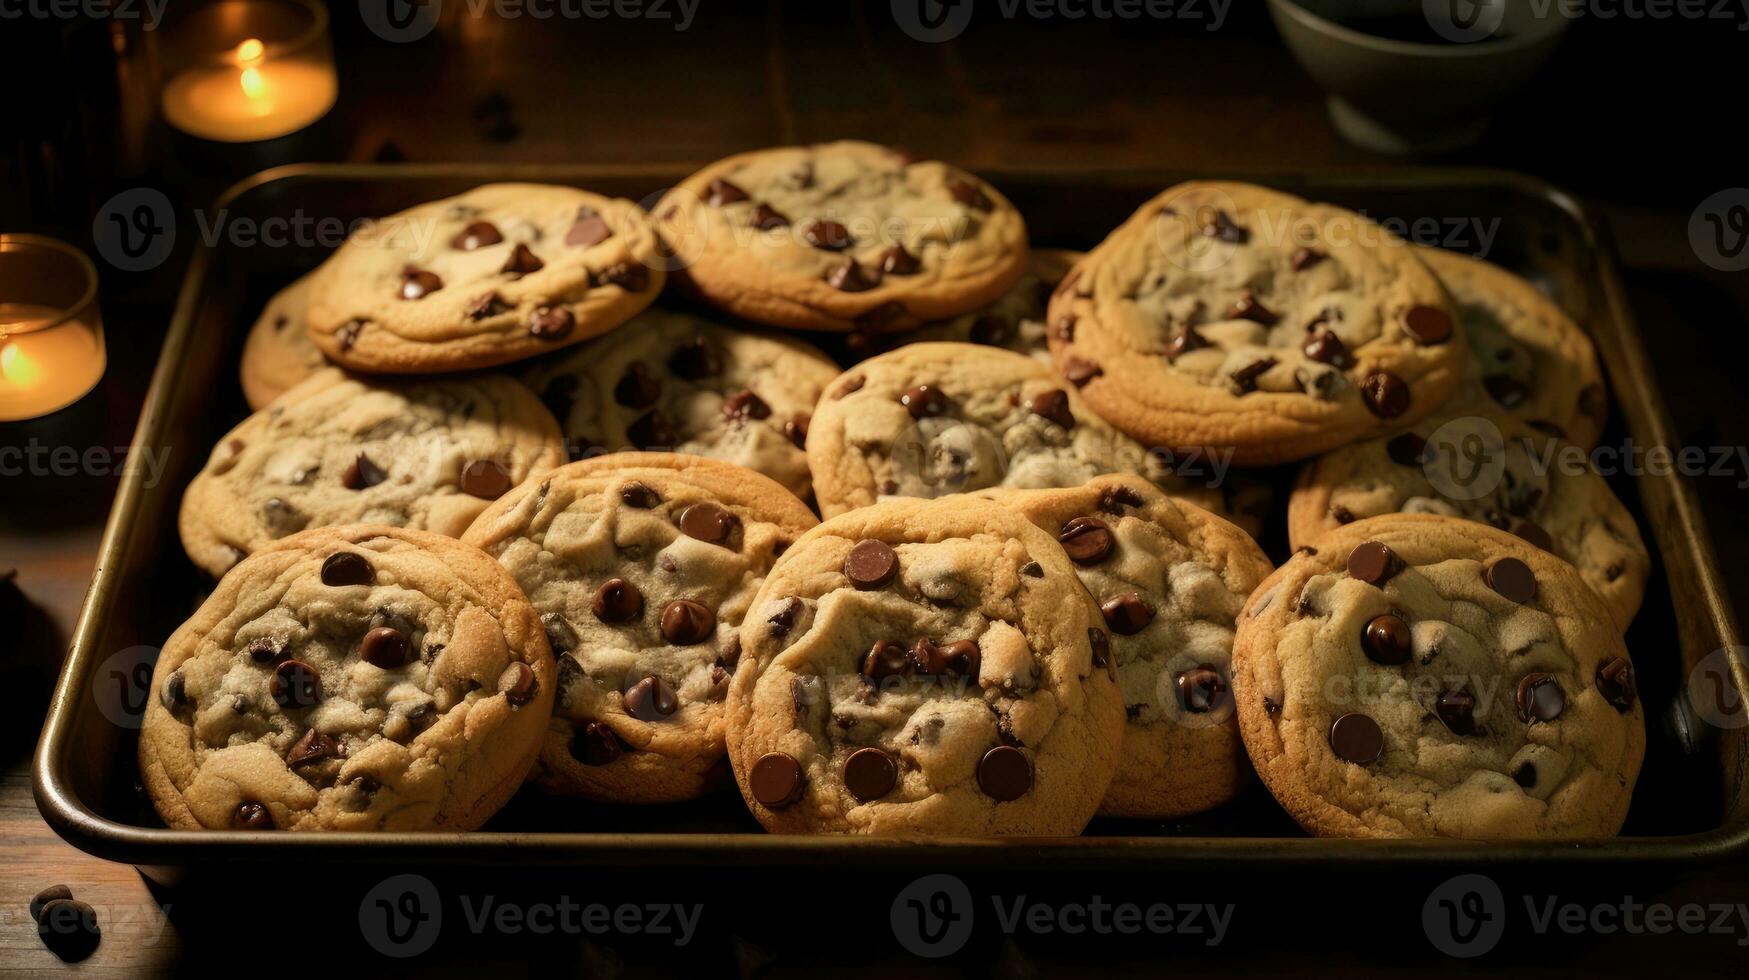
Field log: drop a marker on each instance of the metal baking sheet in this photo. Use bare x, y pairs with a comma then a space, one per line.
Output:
1689, 807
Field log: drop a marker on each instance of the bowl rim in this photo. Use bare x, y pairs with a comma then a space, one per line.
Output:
1384, 45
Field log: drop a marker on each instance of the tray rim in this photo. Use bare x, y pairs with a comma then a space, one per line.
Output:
151, 847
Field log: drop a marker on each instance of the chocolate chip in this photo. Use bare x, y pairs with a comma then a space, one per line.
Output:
639, 495
559, 396
347, 568
175, 691
1540, 698
560, 636
1088, 540
1064, 328
871, 564
685, 622
1246, 377
895, 261
1032, 569
252, 816
417, 283
69, 929
828, 235
767, 218
1005, 773
264, 651
1525, 775
595, 744
348, 333
1248, 308
969, 194
695, 359
522, 262
517, 684
477, 235
296, 684
990, 330
1127, 614
924, 401
1505, 389
1615, 681
1428, 325
745, 404
707, 522
651, 699
851, 384
590, 228
50, 894
1385, 394
651, 431
784, 619
1327, 348
1532, 532
1372, 562
1101, 645
1457, 710
775, 780
722, 192
313, 747
489, 305
617, 601
1201, 689
629, 276
1079, 371
957, 659
1305, 258
485, 479
1407, 449
1386, 639
1356, 738
1221, 226
1114, 499
797, 429
637, 387
1184, 343
362, 473
551, 322
1053, 406
886, 659
384, 647
1341, 514
870, 774
1512, 579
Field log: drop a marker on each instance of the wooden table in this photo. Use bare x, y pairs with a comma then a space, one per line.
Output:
1006, 94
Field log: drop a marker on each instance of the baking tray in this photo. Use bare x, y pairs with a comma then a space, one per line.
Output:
1690, 806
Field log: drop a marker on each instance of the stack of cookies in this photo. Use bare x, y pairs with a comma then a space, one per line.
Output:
543, 488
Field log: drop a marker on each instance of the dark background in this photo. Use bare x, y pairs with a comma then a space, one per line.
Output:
1642, 118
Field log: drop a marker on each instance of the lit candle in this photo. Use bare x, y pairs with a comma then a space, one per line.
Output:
249, 85
44, 368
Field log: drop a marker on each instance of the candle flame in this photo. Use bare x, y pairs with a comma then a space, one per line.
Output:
250, 52
249, 57
17, 368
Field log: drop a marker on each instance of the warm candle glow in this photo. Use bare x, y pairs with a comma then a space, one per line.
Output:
44, 368
17, 367
250, 51
257, 81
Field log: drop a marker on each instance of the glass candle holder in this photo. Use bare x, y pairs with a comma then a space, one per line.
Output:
51, 334
241, 71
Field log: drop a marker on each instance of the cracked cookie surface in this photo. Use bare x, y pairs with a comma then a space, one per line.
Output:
842, 236
931, 419
339, 449
1528, 359
1488, 468
673, 381
1170, 579
924, 667
1419, 676
1015, 321
1227, 315
349, 678
500, 273
279, 354
642, 566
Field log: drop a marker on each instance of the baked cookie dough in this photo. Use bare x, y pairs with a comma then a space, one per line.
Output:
278, 353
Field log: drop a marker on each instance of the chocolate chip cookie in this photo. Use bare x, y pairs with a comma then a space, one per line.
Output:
675, 381
349, 678
1528, 359
1015, 321
1419, 676
1488, 468
1227, 315
842, 236
339, 449
279, 353
1170, 579
925, 667
642, 566
503, 272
